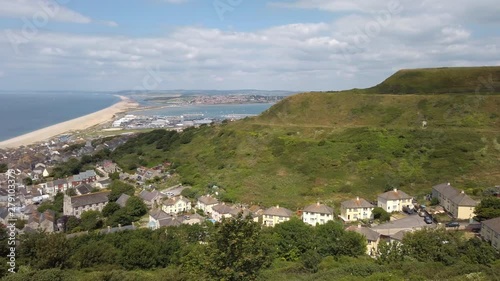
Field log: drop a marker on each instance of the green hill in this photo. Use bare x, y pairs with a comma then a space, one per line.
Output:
442, 80
333, 146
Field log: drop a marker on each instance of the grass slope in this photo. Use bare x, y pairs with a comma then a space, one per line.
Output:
333, 146
442, 80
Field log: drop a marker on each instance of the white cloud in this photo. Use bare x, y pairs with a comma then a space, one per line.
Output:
357, 49
40, 10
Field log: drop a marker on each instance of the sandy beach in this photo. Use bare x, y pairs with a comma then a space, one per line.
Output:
77, 124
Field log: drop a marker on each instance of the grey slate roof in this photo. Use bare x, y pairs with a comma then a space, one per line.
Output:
60, 182
371, 235
357, 203
122, 200
84, 188
319, 209
395, 195
452, 193
149, 196
208, 200
400, 235
84, 175
89, 199
278, 211
494, 224
222, 209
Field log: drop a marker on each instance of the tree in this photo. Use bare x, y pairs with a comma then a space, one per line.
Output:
488, 208
436, 245
390, 253
311, 260
114, 176
71, 223
478, 252
71, 191
120, 217
27, 181
381, 215
138, 253
95, 253
3, 168
236, 250
118, 188
91, 220
110, 209
295, 238
333, 240
136, 207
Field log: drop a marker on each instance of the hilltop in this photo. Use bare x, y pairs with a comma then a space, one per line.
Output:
333, 146
469, 80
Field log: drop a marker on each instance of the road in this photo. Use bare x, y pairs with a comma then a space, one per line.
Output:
410, 222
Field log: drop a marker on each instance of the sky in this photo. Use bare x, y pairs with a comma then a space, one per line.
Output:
297, 45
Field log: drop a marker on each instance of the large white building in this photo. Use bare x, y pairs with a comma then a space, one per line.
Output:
176, 205
394, 201
317, 214
356, 209
275, 215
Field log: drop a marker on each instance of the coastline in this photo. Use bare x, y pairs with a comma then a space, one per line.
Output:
77, 124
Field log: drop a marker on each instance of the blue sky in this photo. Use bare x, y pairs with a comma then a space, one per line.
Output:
231, 44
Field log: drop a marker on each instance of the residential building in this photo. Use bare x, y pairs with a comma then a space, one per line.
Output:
205, 203
221, 211
176, 205
83, 189
88, 176
490, 231
275, 215
460, 205
151, 199
122, 200
76, 205
372, 238
159, 218
42, 221
61, 185
317, 214
394, 201
356, 209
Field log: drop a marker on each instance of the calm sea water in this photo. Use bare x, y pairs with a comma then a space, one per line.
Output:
208, 111
24, 112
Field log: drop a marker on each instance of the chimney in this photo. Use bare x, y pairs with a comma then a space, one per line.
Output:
109, 228
357, 198
359, 225
463, 192
449, 183
395, 190
119, 226
317, 203
278, 206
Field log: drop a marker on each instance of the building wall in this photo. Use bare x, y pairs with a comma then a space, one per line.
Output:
314, 218
204, 207
372, 247
354, 214
273, 220
464, 212
394, 205
218, 217
179, 207
489, 235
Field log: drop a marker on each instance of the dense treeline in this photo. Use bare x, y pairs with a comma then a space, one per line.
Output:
242, 250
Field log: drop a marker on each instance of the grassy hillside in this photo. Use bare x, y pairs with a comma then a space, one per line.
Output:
333, 146
442, 80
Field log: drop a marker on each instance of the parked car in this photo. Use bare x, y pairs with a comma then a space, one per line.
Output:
408, 210
452, 224
428, 220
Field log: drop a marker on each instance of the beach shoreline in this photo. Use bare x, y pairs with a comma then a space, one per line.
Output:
77, 124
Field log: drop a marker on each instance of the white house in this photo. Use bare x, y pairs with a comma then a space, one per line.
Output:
220, 211
176, 205
394, 201
356, 209
205, 203
275, 215
317, 214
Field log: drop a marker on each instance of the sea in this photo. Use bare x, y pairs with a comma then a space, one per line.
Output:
217, 111
24, 112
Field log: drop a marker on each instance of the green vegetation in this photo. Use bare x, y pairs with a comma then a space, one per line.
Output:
381, 215
241, 250
442, 80
4, 167
335, 146
488, 208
